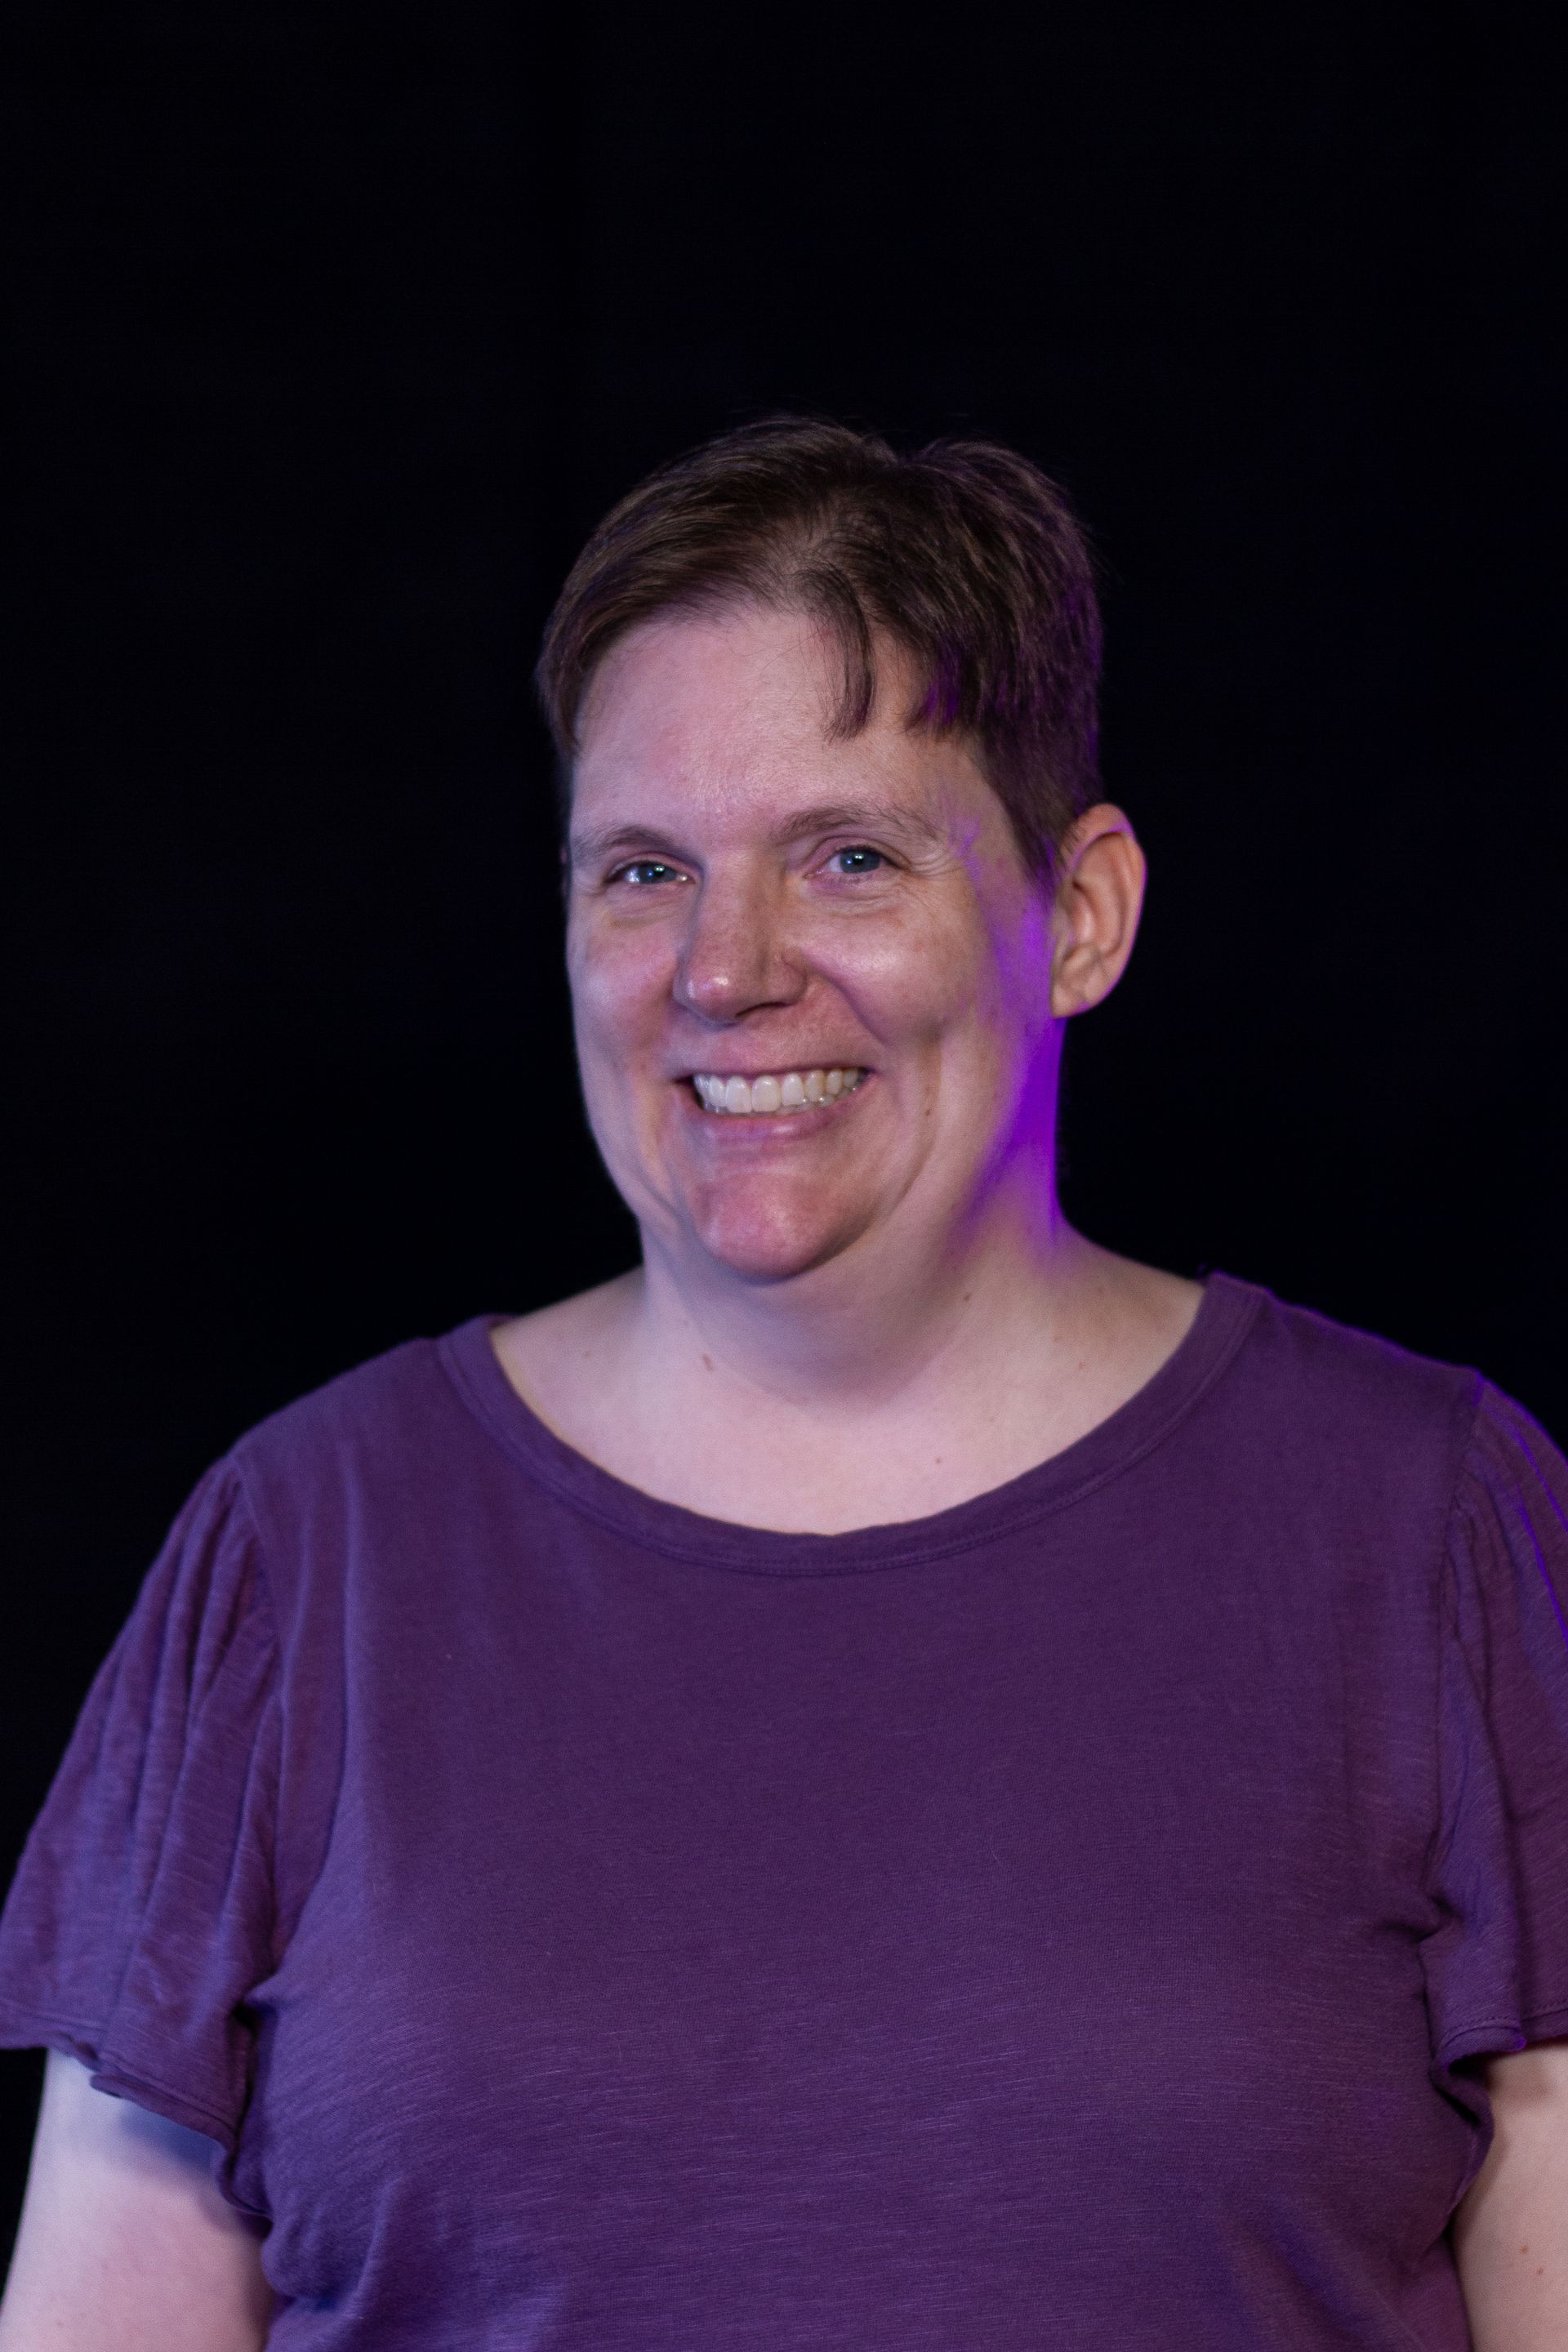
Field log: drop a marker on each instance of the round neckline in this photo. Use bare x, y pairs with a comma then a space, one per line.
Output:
1225, 1315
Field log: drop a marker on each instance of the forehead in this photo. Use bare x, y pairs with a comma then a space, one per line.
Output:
726, 716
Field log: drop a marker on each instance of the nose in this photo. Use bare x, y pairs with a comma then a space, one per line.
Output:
736, 957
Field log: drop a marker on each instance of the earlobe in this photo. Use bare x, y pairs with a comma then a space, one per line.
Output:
1071, 991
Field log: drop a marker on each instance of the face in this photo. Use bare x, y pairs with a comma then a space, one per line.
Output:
754, 907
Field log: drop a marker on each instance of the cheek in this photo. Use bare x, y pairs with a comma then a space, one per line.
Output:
917, 979
620, 986
959, 1000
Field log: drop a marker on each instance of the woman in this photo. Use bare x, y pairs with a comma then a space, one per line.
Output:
891, 1777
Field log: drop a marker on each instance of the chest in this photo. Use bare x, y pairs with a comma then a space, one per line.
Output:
781, 1894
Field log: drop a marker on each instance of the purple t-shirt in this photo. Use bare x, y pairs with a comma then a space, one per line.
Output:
583, 1923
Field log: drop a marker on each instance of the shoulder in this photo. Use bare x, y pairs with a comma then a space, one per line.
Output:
1359, 1435
389, 1430
355, 1404
1345, 1376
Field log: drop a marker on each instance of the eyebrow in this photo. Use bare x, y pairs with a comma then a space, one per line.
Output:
876, 816
837, 816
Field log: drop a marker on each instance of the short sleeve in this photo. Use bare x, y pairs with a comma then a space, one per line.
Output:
142, 1910
1497, 1968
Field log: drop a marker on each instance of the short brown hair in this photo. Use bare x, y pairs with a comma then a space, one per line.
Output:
964, 552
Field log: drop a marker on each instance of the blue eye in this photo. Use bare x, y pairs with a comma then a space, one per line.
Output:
642, 871
860, 860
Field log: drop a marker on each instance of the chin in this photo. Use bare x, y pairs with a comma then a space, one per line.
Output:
770, 1242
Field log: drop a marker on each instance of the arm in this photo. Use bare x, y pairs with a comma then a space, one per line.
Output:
1510, 2228
124, 2239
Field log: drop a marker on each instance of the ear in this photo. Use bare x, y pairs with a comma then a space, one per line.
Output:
1094, 919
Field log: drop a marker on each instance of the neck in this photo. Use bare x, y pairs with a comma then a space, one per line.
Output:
876, 1322
887, 1384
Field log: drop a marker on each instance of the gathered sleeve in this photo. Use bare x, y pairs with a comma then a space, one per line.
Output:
1497, 1966
142, 1912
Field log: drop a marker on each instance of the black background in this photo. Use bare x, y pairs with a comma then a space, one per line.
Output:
329, 342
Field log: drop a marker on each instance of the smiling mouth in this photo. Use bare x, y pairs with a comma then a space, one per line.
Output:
780, 1090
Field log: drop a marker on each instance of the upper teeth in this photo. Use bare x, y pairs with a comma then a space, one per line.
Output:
788, 1091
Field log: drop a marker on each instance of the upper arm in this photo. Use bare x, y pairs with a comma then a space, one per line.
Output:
1510, 2228
125, 2239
